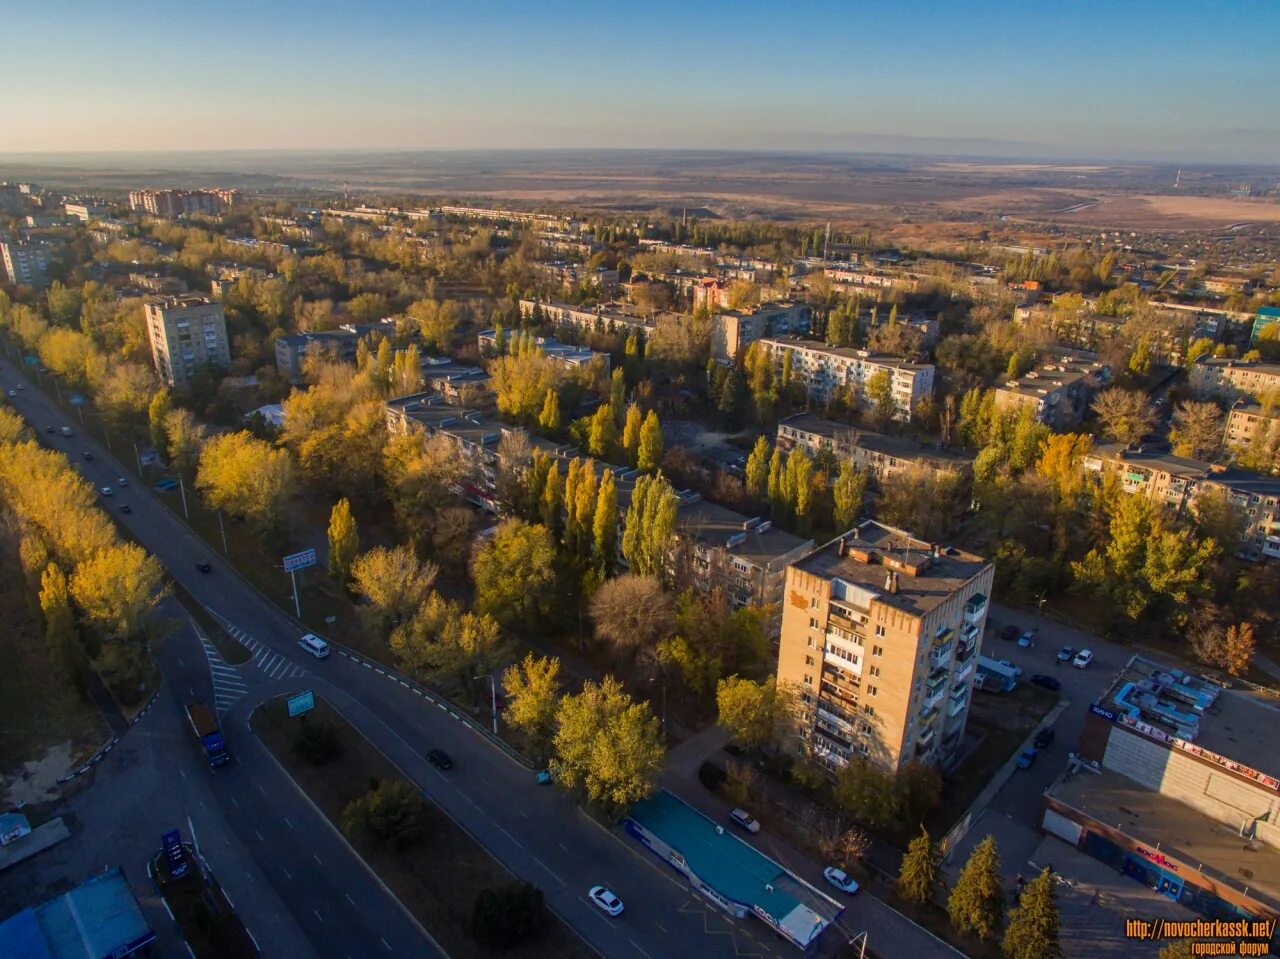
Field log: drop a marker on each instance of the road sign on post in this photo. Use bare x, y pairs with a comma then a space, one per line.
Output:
292, 563
76, 399
302, 703
296, 561
172, 841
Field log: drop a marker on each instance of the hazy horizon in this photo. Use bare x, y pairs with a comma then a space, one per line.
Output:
1136, 82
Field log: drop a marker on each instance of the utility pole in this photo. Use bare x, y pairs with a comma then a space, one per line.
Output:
493, 698
58, 392
182, 487
138, 457
293, 578
222, 529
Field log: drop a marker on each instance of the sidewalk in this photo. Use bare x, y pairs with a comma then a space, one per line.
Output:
890, 934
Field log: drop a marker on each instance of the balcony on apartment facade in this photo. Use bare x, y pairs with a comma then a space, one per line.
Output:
958, 703
943, 646
934, 688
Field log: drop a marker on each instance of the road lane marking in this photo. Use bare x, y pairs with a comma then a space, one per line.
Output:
317, 859
260, 789
595, 911
287, 874
550, 870
182, 773
660, 925
180, 662
349, 899
385, 943
507, 834
563, 846
286, 822
259, 835
233, 801
316, 913
639, 950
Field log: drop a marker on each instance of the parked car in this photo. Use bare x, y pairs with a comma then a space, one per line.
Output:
316, 646
13, 392
122, 481
107, 491
1083, 659
439, 758
1009, 633
745, 820
544, 777
841, 880
203, 567
51, 429
126, 508
88, 456
1045, 737
1027, 759
1048, 682
1017, 670
1027, 639
1066, 653
606, 900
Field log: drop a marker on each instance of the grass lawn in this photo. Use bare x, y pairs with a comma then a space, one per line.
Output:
201, 910
39, 709
439, 879
1006, 720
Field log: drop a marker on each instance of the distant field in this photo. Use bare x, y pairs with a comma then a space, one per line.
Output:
44, 725
1165, 212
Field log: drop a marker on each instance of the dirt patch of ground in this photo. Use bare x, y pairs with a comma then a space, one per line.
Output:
1164, 212
37, 779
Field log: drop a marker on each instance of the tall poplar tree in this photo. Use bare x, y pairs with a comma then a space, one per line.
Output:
344, 541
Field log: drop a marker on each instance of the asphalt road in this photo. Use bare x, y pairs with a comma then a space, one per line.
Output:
536, 831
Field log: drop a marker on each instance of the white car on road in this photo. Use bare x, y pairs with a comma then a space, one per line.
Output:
1083, 659
107, 491
840, 879
316, 646
606, 900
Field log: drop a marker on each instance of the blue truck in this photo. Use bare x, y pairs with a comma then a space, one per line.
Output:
205, 726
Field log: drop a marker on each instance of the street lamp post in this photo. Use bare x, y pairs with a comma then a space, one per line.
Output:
493, 698
182, 487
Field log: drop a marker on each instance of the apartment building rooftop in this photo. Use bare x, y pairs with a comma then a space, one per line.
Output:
756, 541
173, 301
1059, 370
1233, 478
1219, 363
894, 446
847, 352
895, 567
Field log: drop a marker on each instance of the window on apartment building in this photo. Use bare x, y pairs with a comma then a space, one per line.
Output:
879, 630
810, 642
871, 691
877, 650
808, 660
808, 680
875, 670
814, 624
868, 709
813, 602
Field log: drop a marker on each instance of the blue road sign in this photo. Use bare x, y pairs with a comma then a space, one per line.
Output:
167, 483
302, 703
76, 399
297, 561
31, 360
172, 841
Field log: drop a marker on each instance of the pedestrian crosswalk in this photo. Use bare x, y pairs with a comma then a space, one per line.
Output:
228, 684
273, 664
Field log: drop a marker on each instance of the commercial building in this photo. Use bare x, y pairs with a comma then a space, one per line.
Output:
832, 372
564, 354
730, 874
1176, 481
98, 918
1058, 390
187, 333
1268, 317
880, 635
878, 455
734, 330
27, 264
1160, 790
1230, 379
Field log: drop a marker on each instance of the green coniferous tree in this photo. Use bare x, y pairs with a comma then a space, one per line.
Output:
920, 875
1032, 932
976, 904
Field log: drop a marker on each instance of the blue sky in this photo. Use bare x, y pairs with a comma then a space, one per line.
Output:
1138, 80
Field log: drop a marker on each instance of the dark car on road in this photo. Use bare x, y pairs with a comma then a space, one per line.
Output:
1048, 682
126, 508
440, 759
1066, 654
1044, 737
204, 567
1010, 633
88, 455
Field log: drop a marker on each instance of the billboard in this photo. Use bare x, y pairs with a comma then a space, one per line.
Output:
172, 841
296, 561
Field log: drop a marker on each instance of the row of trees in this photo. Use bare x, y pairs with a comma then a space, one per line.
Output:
98, 593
